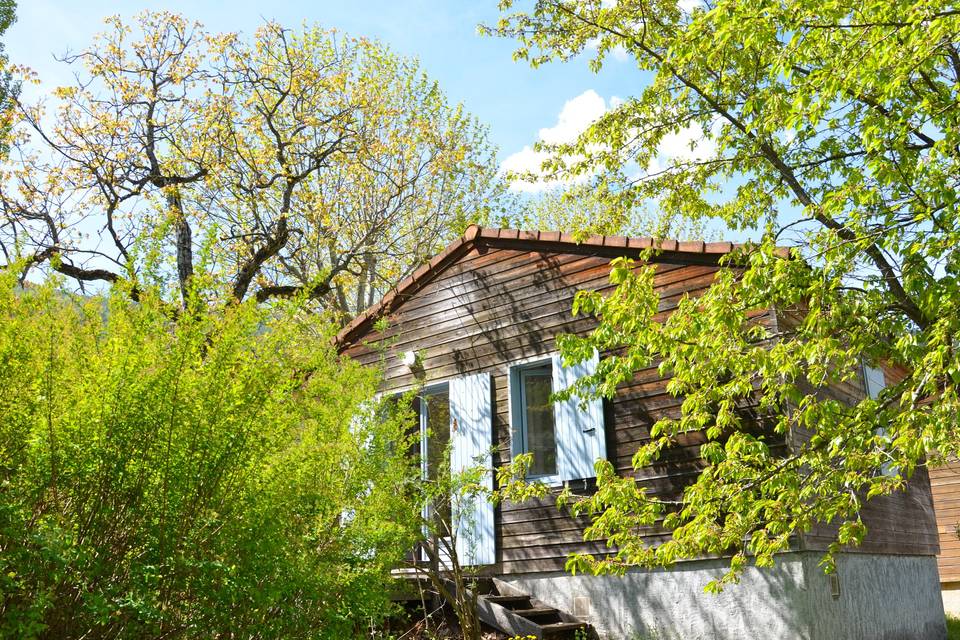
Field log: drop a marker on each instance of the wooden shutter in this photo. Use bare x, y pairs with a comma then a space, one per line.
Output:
581, 439
471, 440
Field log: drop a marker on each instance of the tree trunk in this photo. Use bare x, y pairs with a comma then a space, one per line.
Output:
184, 242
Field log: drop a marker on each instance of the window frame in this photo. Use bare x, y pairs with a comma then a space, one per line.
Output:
519, 442
887, 468
423, 417
488, 536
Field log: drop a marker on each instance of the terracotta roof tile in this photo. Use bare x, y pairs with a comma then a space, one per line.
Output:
718, 247
616, 241
692, 247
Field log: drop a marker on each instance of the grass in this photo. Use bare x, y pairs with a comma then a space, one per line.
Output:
953, 628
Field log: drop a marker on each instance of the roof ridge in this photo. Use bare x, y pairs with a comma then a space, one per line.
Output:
475, 233
631, 242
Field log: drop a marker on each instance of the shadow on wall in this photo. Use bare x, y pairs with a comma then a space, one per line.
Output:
666, 605
513, 318
880, 598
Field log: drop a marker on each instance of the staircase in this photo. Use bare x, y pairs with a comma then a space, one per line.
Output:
515, 613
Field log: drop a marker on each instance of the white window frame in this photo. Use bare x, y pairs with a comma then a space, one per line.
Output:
518, 436
887, 468
422, 417
427, 390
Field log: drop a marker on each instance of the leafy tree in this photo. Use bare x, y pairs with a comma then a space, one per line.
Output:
446, 499
190, 475
584, 210
321, 163
834, 131
9, 87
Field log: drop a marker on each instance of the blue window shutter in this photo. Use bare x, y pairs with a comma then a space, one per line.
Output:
581, 439
471, 439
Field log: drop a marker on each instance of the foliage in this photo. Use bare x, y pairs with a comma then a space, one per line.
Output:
320, 163
189, 475
953, 628
832, 131
9, 87
447, 501
585, 211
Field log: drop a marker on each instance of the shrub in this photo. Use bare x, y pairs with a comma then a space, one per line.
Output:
189, 474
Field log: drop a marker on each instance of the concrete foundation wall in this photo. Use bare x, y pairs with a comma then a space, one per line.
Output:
880, 598
951, 598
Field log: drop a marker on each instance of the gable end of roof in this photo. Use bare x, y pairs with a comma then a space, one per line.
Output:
697, 252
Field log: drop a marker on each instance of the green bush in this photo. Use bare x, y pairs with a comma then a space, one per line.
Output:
953, 628
191, 474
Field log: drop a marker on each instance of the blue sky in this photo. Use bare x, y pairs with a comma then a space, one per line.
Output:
516, 102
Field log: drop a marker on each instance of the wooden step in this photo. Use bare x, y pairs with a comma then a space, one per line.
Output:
536, 612
558, 630
507, 601
515, 613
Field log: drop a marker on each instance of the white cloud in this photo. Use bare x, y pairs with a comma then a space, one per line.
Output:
576, 115
522, 162
687, 144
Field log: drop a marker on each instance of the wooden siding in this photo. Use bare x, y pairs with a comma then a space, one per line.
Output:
903, 523
945, 483
495, 306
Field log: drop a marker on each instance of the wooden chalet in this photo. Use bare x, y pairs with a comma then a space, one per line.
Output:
476, 328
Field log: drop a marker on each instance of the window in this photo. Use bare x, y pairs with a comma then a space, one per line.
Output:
456, 433
874, 382
434, 411
567, 437
538, 433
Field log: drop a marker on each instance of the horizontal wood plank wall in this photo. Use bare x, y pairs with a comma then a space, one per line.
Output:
496, 307
945, 483
903, 523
